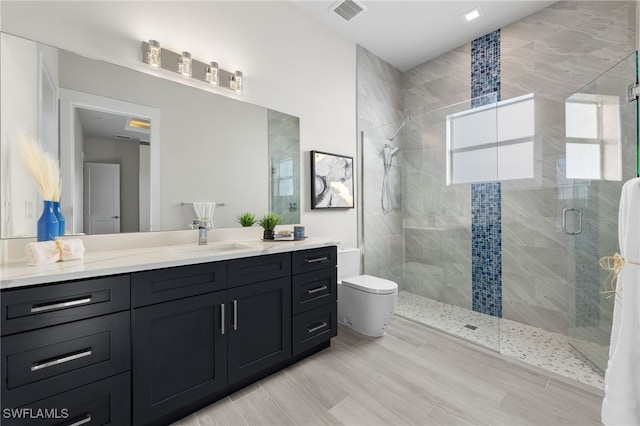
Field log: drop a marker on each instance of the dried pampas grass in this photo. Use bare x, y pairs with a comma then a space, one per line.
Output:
42, 166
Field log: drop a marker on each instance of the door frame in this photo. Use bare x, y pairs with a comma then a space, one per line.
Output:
71, 161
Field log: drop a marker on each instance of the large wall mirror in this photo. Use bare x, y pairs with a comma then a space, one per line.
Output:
137, 148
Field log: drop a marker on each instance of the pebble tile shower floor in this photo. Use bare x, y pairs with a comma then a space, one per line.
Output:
541, 348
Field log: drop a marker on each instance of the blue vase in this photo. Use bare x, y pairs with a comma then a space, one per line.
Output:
61, 223
48, 225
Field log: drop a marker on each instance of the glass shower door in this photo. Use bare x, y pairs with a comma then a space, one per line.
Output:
601, 154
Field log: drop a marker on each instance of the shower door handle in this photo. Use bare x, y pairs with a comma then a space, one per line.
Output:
564, 221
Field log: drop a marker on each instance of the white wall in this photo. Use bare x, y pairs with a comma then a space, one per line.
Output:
212, 148
291, 63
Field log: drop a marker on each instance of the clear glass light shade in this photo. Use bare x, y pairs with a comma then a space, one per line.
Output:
213, 74
238, 82
153, 54
184, 64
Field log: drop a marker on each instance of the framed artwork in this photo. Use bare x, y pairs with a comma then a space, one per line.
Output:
331, 181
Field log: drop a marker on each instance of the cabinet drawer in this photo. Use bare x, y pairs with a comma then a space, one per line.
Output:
106, 402
261, 268
36, 307
314, 289
314, 327
314, 259
38, 364
162, 285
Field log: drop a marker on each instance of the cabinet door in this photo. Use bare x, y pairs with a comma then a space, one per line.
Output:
260, 327
179, 354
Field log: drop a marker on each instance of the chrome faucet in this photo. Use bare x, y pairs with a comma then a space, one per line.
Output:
202, 227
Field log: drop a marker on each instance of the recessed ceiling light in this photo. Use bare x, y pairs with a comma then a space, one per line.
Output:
471, 15
139, 123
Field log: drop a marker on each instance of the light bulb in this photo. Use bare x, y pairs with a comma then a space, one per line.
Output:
238, 82
212, 73
184, 64
154, 57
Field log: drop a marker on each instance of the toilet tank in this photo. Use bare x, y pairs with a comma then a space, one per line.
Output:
348, 262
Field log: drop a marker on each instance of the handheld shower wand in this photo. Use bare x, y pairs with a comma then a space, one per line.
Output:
386, 200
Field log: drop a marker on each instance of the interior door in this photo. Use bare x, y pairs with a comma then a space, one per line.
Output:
101, 198
601, 155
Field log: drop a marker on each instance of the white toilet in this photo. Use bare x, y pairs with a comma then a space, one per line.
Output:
365, 303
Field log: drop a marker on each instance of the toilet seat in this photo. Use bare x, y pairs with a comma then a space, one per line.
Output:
371, 284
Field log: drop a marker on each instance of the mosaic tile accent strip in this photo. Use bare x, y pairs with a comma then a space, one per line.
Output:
486, 248
485, 69
486, 198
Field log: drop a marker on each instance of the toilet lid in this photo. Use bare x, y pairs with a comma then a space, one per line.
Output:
371, 284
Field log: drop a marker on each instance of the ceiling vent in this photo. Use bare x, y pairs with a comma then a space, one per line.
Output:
348, 9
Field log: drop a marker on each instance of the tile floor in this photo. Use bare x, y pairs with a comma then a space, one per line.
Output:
414, 375
540, 348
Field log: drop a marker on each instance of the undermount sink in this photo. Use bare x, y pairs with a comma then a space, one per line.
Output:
210, 248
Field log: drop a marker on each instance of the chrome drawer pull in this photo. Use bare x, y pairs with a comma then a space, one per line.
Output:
82, 421
67, 304
317, 259
222, 318
235, 314
317, 327
315, 290
41, 365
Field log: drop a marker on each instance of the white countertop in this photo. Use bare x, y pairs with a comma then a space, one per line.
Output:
109, 262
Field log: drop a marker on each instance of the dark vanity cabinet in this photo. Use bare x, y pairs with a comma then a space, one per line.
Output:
260, 314
314, 287
201, 330
179, 346
66, 353
153, 346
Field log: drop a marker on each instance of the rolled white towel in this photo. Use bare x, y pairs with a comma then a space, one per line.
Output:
46, 252
42, 253
70, 248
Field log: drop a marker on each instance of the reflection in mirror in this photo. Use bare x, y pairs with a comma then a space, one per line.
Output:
284, 155
201, 147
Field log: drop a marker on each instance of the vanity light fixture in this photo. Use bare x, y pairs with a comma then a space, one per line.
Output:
189, 67
184, 64
212, 73
153, 54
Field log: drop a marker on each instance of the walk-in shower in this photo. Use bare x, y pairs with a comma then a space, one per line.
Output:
549, 280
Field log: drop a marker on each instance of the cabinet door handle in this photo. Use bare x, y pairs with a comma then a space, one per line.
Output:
235, 314
84, 421
222, 319
317, 327
57, 361
317, 259
315, 290
58, 305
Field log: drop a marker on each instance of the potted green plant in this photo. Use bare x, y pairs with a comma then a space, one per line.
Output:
246, 219
269, 222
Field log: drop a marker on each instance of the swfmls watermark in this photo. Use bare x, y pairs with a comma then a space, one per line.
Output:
35, 413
